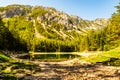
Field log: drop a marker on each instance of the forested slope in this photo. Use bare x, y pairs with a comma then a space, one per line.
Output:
45, 29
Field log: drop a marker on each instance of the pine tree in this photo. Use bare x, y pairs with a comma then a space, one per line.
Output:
113, 30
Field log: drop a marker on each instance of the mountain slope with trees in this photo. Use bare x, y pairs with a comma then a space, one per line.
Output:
44, 29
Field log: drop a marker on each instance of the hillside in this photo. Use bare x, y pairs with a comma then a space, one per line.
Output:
51, 21
37, 28
34, 26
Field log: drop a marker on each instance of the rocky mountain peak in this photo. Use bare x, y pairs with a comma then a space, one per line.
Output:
48, 16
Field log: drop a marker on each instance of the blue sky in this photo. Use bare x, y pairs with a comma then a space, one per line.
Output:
86, 9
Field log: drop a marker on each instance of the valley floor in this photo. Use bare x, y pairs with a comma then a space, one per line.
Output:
68, 70
71, 69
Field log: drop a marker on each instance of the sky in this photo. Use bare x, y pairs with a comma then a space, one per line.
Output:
86, 9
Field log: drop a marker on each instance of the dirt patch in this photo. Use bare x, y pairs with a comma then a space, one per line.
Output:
74, 70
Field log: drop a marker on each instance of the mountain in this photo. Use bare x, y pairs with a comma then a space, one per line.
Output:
51, 19
32, 24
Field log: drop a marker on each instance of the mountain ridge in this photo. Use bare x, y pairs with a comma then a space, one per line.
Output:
39, 28
52, 20
18, 10
43, 27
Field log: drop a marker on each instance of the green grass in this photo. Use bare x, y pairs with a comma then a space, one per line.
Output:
4, 58
10, 70
105, 56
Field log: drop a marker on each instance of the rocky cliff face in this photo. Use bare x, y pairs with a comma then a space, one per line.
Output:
47, 16
14, 10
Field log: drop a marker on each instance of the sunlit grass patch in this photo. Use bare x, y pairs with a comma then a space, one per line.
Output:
4, 58
104, 56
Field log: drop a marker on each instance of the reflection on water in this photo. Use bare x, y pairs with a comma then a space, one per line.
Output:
51, 57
